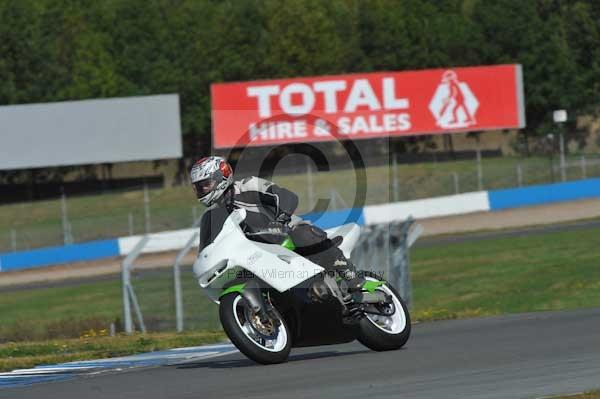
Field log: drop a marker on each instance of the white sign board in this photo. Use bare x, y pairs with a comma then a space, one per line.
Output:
559, 116
90, 132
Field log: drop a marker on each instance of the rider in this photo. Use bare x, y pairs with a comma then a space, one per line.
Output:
268, 208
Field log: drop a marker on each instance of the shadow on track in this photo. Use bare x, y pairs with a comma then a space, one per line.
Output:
236, 363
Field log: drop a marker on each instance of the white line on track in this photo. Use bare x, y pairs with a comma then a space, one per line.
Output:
24, 377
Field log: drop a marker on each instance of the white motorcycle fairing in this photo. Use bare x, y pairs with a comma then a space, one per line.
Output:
232, 252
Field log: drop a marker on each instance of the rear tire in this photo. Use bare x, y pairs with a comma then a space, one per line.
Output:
376, 335
233, 312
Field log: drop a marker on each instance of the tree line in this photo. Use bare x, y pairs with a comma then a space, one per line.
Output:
53, 50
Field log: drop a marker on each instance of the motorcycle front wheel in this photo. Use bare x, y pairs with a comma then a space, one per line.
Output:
384, 333
265, 343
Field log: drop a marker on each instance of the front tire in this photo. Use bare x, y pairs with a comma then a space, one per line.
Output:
381, 333
265, 344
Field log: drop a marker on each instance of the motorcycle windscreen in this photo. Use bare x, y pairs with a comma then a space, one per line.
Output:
349, 232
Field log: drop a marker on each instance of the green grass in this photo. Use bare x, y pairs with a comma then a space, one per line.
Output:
105, 216
66, 312
550, 271
93, 345
587, 395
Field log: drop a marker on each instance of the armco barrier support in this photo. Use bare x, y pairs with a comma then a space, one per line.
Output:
129, 297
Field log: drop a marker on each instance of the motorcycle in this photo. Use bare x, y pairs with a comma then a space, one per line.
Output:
272, 299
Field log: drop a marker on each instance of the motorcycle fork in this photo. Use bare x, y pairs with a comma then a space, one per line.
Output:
253, 295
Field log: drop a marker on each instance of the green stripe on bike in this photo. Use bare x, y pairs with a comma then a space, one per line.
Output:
371, 286
289, 244
234, 288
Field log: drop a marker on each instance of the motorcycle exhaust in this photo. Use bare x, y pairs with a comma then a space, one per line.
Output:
370, 297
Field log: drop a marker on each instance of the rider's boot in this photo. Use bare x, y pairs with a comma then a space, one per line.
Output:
348, 278
350, 283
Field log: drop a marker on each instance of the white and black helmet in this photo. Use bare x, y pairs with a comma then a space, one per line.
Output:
211, 176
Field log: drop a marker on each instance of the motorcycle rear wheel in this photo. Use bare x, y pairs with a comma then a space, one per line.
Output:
381, 333
265, 344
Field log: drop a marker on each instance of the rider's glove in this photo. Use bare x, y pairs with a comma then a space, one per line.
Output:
283, 218
278, 226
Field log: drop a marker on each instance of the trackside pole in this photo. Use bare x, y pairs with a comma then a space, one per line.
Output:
147, 223
456, 183
13, 240
309, 183
66, 225
563, 164
395, 194
479, 168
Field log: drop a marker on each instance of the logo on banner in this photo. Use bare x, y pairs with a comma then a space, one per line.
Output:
453, 105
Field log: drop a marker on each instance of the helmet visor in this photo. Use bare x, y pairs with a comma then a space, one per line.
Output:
204, 187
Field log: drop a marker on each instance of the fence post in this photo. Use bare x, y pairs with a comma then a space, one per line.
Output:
130, 222
147, 209
456, 183
387, 247
128, 325
309, 183
583, 167
177, 281
519, 175
13, 240
362, 248
479, 169
563, 172
395, 177
372, 245
66, 225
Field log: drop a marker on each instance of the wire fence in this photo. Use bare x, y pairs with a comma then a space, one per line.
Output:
83, 218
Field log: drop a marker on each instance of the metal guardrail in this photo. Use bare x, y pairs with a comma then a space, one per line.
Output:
384, 249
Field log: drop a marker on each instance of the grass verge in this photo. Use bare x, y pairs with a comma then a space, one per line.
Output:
14, 355
549, 271
586, 395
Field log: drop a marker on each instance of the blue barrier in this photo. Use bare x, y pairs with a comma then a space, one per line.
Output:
544, 194
498, 199
326, 220
56, 255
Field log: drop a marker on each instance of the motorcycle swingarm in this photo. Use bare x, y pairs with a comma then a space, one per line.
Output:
368, 308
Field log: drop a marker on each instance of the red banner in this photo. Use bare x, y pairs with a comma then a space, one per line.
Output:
370, 105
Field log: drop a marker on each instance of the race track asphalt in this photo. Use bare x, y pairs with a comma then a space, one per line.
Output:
516, 356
